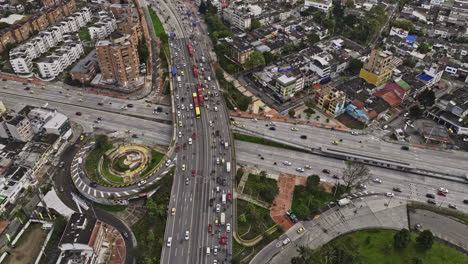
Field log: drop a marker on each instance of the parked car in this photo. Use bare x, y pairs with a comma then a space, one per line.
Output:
396, 189
430, 195
431, 201
404, 147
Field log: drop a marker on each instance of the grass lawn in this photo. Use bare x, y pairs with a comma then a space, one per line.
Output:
380, 249
305, 202
92, 160
149, 231
266, 142
261, 188
84, 34
109, 175
156, 158
258, 219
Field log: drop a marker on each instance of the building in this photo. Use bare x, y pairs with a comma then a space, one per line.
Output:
49, 121
288, 84
16, 127
13, 180
239, 49
52, 65
323, 5
104, 27
451, 110
377, 70
118, 59
86, 68
331, 101
88, 240
238, 15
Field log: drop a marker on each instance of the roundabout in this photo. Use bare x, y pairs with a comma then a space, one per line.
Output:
113, 171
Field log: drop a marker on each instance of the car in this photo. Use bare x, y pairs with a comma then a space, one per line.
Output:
335, 176
334, 142
362, 186
303, 136
187, 181
100, 103
396, 189
134, 136
143, 182
61, 164
27, 88
228, 227
453, 206
389, 194
442, 189
430, 195
183, 167
218, 208
294, 129
300, 169
465, 201
223, 240
180, 123
404, 147
210, 228
81, 137
307, 167
127, 131
215, 250
431, 201
418, 227
129, 105
385, 127
287, 163
169, 242
216, 221
193, 173
180, 134
125, 234
354, 133
441, 193
168, 162
273, 128
212, 200
93, 184
327, 171
377, 180
173, 211
177, 149
190, 141
229, 197
185, 146
194, 136
187, 235
300, 230
78, 113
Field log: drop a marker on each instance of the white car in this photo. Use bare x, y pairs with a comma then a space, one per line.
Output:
187, 235
211, 123
376, 180
300, 169
178, 113
228, 227
354, 133
215, 250
168, 162
169, 241
442, 189
143, 182
389, 194
218, 208
182, 107
190, 141
180, 134
287, 163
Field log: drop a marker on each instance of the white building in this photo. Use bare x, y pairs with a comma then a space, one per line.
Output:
324, 5
14, 180
50, 121
320, 66
21, 62
103, 28
238, 15
53, 65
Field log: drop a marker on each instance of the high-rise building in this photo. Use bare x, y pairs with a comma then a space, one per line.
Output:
118, 59
16, 126
378, 69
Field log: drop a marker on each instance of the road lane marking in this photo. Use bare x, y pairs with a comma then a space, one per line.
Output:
102, 194
126, 193
79, 185
118, 194
89, 190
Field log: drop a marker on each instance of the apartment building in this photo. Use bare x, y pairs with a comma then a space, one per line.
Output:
21, 62
238, 15
378, 69
49, 121
118, 59
323, 5
52, 65
288, 84
104, 27
331, 101
16, 127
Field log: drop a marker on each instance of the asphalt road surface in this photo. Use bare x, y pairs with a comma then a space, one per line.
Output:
414, 187
452, 162
191, 195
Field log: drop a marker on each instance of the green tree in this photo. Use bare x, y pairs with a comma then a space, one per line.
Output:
318, 17
255, 24
417, 260
291, 113
270, 57
425, 240
402, 239
354, 173
355, 66
242, 218
4, 25
151, 206
427, 97
202, 7
312, 182
243, 102
415, 111
424, 48
404, 24
313, 38
143, 52
150, 237
350, 4
256, 59
263, 175
409, 62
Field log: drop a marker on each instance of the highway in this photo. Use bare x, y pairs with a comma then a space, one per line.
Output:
452, 162
414, 187
191, 195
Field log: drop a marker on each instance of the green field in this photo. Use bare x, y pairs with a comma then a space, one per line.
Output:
261, 188
258, 220
376, 246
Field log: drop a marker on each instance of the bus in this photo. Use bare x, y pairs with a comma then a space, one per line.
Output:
201, 100
197, 112
196, 105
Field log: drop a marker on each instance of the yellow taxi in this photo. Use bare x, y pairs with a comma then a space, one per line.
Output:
43, 87
128, 131
335, 142
5, 87
173, 211
183, 167
216, 221
182, 73
81, 100
68, 95
300, 230
180, 123
81, 137
294, 129
32, 92
149, 105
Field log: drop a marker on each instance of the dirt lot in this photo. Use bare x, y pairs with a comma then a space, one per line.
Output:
28, 247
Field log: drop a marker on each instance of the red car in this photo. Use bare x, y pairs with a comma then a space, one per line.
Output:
229, 196
442, 193
193, 173
177, 149
194, 136
185, 145
223, 240
78, 113
210, 228
326, 171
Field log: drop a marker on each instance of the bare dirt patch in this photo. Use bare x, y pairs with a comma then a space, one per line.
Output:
29, 245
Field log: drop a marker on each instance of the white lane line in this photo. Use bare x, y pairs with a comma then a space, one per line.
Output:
102, 194
94, 192
126, 193
118, 194
89, 190
134, 191
79, 185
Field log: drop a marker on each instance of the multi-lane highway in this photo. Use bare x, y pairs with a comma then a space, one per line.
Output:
198, 178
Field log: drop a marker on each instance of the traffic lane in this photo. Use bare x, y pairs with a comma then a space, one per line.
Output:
318, 137
414, 187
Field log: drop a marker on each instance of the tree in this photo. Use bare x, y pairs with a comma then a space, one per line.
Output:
313, 38
244, 102
143, 52
318, 17
417, 260
255, 24
355, 172
312, 182
256, 59
150, 237
402, 239
4, 25
270, 57
427, 97
350, 4
151, 207
409, 62
242, 218
202, 7
355, 66
425, 240
415, 111
291, 113
404, 24
424, 48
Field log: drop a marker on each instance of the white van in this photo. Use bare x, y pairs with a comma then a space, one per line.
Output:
223, 198
209, 78
169, 241
216, 109
208, 251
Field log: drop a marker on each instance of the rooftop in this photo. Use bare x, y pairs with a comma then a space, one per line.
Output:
78, 230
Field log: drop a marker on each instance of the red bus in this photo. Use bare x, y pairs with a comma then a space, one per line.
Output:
201, 100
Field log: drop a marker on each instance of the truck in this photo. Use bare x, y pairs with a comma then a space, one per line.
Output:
190, 48
179, 79
343, 202
174, 71
228, 166
203, 59
226, 144
194, 22
195, 71
223, 218
201, 100
223, 198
